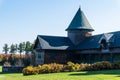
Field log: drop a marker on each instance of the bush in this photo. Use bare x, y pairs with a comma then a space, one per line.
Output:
51, 68
7, 64
71, 67
45, 68
116, 65
19, 63
85, 67
56, 67
105, 65
30, 70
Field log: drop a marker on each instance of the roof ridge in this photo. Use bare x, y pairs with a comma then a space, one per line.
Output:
51, 36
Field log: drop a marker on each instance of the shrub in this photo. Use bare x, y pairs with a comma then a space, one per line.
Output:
51, 68
56, 67
7, 64
12, 59
71, 67
116, 65
36, 71
19, 63
105, 65
26, 61
30, 70
45, 68
85, 67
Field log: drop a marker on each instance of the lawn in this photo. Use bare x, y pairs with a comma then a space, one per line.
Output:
92, 75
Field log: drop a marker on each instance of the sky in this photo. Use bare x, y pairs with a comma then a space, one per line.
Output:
23, 20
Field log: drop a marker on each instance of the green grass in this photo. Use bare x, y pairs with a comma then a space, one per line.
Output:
92, 75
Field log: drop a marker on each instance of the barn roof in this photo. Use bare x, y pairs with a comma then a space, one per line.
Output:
64, 43
54, 42
93, 42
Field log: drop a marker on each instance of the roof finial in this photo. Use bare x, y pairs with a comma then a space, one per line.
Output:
80, 7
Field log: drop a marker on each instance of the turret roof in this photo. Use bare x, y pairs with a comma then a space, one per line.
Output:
80, 22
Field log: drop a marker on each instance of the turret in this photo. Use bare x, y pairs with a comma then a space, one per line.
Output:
79, 28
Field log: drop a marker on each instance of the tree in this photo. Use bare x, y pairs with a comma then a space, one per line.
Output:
27, 50
27, 47
5, 48
32, 46
32, 55
12, 49
21, 48
16, 47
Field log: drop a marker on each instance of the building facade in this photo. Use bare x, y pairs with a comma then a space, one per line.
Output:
80, 46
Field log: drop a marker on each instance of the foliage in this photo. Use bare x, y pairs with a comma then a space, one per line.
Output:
14, 59
6, 48
7, 64
26, 61
12, 48
105, 65
46, 68
51, 68
85, 66
20, 47
27, 47
30, 70
116, 65
72, 67
19, 62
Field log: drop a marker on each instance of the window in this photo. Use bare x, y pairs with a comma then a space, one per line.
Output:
104, 44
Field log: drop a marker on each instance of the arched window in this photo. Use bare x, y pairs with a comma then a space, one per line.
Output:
104, 44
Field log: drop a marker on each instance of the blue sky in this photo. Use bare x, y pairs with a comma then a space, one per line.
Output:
23, 20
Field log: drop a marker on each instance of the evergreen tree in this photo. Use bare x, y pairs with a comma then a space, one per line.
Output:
5, 48
21, 48
12, 49
27, 47
16, 47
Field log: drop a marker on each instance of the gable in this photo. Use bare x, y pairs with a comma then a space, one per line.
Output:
107, 37
53, 42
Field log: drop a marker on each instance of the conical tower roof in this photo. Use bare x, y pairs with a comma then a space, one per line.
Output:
80, 22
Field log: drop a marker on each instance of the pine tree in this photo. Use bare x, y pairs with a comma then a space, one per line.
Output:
5, 48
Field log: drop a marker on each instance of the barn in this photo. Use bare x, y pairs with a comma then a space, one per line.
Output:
79, 46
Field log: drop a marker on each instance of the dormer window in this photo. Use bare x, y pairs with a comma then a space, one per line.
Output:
104, 44
105, 41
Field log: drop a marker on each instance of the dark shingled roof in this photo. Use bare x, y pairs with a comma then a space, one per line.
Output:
54, 42
115, 39
64, 43
93, 41
80, 22
90, 43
